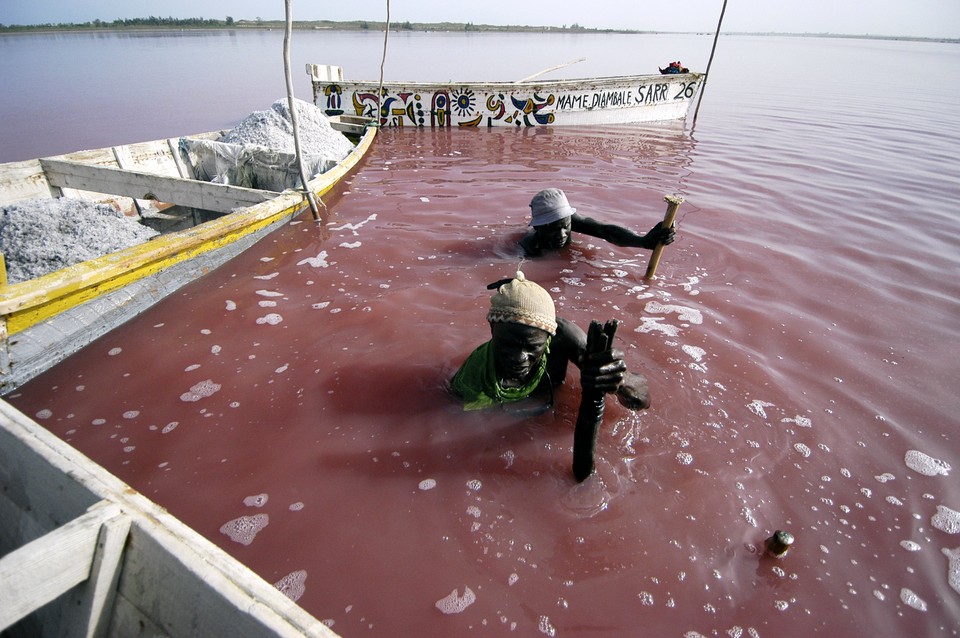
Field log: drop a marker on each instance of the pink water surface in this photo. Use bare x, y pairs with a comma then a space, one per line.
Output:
312, 370
799, 342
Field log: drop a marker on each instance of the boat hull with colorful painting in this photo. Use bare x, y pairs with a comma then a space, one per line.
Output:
580, 102
47, 318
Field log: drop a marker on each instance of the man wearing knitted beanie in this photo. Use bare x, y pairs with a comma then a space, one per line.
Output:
553, 222
529, 350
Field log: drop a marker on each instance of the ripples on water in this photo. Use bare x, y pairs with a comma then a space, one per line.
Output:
798, 343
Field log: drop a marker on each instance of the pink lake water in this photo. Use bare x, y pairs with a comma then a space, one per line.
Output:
799, 342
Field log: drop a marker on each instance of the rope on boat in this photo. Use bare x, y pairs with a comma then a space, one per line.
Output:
706, 75
293, 111
383, 61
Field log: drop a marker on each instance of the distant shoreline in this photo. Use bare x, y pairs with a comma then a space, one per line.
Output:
197, 24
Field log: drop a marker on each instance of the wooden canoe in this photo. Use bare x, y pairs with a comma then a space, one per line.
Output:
581, 102
44, 320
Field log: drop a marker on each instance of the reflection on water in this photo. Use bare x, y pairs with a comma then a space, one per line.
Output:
796, 342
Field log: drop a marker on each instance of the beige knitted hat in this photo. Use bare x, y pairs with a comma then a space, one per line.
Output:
524, 302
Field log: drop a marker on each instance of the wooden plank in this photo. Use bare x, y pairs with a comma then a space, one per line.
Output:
87, 612
221, 198
44, 569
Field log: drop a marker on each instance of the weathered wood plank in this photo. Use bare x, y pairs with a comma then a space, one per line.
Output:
45, 569
87, 612
221, 198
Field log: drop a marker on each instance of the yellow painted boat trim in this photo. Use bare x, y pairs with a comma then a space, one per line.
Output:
25, 304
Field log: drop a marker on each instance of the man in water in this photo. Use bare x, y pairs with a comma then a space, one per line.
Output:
528, 354
553, 222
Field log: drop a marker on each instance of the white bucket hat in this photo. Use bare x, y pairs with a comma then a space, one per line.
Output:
548, 206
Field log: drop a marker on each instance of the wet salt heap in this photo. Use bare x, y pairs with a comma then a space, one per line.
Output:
273, 129
41, 236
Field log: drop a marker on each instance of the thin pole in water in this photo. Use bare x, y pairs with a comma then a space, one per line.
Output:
706, 75
293, 111
383, 61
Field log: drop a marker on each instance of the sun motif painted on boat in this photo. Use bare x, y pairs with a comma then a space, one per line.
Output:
464, 101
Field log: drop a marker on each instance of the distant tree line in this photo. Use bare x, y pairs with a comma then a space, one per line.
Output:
229, 22
120, 23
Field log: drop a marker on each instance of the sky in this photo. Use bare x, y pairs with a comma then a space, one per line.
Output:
916, 18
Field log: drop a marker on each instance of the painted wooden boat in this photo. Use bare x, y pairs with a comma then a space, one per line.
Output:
46, 319
83, 554
582, 102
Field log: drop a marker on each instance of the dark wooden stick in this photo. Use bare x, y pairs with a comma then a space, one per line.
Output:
590, 414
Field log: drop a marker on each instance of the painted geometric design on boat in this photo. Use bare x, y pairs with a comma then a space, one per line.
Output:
475, 106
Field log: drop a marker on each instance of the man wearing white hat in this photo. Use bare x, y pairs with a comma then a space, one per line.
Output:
553, 222
528, 354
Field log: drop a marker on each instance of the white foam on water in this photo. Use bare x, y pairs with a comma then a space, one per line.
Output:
427, 484
266, 259
200, 390
801, 421
231, 305
694, 352
757, 407
293, 585
245, 528
802, 449
215, 349
454, 603
257, 500
271, 319
946, 520
131, 414
282, 368
926, 465
355, 244
474, 485
883, 478
684, 458
320, 261
44, 414
509, 457
321, 305
512, 579
545, 627
910, 599
267, 277
910, 546
687, 315
191, 368
893, 500
296, 507
169, 427
953, 567
269, 293
357, 226
266, 303
115, 351
656, 324
473, 511
646, 598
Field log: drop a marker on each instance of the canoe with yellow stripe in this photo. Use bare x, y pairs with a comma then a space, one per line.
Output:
44, 320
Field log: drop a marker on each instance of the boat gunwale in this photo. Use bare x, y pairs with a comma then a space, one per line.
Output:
570, 84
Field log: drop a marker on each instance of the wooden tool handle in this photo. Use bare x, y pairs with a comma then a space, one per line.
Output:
673, 203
